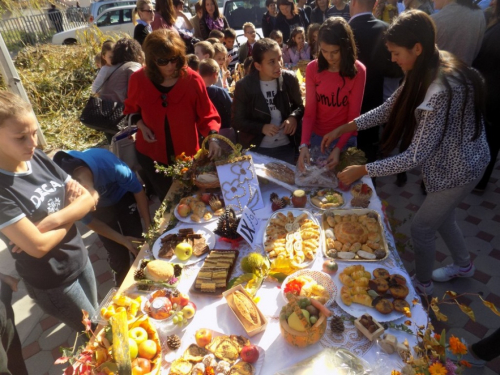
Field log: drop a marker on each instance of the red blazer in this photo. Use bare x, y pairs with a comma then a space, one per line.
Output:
189, 112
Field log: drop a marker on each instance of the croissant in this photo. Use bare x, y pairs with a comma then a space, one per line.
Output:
362, 299
359, 274
299, 219
346, 280
358, 290
362, 281
345, 296
357, 267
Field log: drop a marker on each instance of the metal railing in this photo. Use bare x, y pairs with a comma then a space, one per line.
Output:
29, 30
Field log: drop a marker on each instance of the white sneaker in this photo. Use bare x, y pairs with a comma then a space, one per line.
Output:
421, 289
452, 271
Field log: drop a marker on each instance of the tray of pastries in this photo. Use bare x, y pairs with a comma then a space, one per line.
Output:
294, 233
214, 274
354, 235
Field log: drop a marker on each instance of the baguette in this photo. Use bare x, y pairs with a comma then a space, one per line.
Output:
245, 310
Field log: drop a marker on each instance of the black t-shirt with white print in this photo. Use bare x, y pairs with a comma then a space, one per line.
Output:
35, 194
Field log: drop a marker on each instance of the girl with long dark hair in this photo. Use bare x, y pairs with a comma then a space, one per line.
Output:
211, 19
436, 119
335, 83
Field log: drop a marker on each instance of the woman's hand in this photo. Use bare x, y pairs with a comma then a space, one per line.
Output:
330, 137
352, 174
289, 125
270, 130
333, 159
132, 244
214, 149
73, 191
304, 157
147, 133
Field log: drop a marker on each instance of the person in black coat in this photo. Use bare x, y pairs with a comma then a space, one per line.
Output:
267, 107
142, 18
369, 35
269, 18
289, 18
319, 13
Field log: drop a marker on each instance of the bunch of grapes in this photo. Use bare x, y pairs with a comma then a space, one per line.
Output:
178, 317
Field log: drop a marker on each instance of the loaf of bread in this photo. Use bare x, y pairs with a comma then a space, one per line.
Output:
280, 172
245, 310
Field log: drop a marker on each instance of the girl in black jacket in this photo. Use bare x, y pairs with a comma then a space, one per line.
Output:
289, 18
267, 106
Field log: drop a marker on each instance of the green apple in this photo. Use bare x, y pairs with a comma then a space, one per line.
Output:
183, 251
138, 334
133, 348
295, 323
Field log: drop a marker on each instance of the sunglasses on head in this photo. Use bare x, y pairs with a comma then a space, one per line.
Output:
163, 62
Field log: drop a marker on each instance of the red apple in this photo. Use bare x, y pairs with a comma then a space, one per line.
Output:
141, 364
184, 299
183, 210
203, 337
205, 198
147, 349
250, 354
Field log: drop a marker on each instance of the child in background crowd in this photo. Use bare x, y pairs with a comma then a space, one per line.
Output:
193, 62
298, 49
312, 38
220, 57
247, 65
277, 36
182, 22
209, 71
217, 34
106, 57
246, 49
269, 18
204, 50
212, 41
98, 60
232, 50
195, 21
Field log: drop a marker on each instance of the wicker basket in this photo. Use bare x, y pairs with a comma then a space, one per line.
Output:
204, 156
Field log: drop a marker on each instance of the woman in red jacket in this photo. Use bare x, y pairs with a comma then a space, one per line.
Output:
170, 106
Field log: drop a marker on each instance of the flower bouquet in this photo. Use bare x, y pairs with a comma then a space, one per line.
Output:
180, 169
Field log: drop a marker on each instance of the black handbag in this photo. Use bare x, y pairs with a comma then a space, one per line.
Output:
103, 115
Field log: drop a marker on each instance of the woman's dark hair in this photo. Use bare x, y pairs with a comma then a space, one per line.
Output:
336, 31
260, 48
471, 4
313, 27
327, 3
126, 50
290, 3
295, 32
163, 44
410, 28
216, 11
166, 10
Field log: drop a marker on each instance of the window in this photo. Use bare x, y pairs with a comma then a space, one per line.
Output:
127, 15
109, 19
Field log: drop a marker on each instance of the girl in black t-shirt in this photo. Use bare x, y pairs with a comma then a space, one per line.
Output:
39, 204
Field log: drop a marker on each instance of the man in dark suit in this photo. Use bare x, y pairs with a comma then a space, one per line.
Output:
372, 52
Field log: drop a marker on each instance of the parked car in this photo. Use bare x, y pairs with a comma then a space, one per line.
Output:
96, 8
237, 12
112, 20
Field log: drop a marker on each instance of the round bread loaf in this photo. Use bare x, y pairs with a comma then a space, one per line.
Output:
159, 270
350, 232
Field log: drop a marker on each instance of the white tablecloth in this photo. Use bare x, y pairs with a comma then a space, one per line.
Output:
215, 314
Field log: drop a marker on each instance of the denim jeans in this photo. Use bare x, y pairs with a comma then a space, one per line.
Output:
67, 301
437, 214
316, 141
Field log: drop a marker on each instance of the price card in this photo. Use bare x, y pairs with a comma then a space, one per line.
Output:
249, 227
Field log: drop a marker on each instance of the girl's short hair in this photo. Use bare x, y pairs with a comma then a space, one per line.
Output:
295, 32
12, 106
275, 34
163, 44
216, 11
336, 31
107, 46
260, 48
126, 50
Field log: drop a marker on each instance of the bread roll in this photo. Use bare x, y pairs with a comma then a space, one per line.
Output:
245, 310
159, 270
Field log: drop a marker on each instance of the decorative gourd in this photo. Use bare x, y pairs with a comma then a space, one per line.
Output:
311, 335
147, 324
121, 355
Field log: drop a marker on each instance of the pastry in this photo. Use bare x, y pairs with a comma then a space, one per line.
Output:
398, 279
194, 353
159, 271
350, 232
223, 347
379, 284
181, 367
245, 309
362, 299
384, 306
280, 172
399, 291
380, 272
361, 191
400, 305
242, 368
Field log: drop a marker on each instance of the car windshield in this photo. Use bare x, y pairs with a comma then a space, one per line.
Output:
238, 12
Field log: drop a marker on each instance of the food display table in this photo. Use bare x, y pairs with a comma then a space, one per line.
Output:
215, 314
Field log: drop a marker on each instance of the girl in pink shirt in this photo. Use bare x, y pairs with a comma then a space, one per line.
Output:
335, 83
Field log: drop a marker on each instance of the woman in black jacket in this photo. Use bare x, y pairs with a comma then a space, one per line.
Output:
319, 13
289, 18
211, 19
267, 105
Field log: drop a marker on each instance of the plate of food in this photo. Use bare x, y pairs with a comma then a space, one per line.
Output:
354, 235
199, 209
211, 352
184, 245
311, 284
294, 233
325, 199
361, 194
369, 288
213, 277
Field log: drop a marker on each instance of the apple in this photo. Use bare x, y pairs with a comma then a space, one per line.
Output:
188, 311
138, 334
183, 210
141, 366
147, 349
330, 266
183, 251
295, 323
132, 348
184, 299
205, 198
203, 337
250, 354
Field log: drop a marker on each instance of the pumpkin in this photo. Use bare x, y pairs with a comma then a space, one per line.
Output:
311, 335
